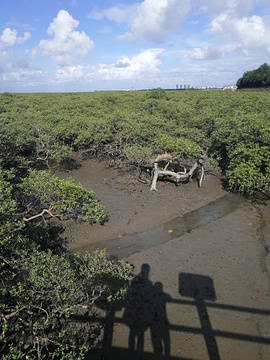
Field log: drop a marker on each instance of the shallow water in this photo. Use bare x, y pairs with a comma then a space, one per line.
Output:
128, 244
204, 215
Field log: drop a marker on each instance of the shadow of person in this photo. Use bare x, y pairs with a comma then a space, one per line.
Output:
138, 313
160, 331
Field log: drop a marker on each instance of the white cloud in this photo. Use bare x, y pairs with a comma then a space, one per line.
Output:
205, 53
150, 20
10, 37
30, 52
231, 32
67, 43
22, 75
70, 73
250, 33
119, 14
3, 56
145, 63
156, 19
234, 7
210, 53
208, 6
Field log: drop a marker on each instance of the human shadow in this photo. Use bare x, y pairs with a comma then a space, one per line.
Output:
139, 310
160, 327
144, 307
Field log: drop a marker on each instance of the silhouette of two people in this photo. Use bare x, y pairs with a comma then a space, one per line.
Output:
145, 308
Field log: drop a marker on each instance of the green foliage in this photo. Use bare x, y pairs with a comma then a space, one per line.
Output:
95, 269
244, 165
137, 154
242, 147
43, 128
42, 290
131, 125
177, 146
8, 206
48, 148
61, 198
158, 94
12, 240
255, 78
49, 294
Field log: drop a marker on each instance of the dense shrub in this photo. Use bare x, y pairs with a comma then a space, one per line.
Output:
39, 129
258, 78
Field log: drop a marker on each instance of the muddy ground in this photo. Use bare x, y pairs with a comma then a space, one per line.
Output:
202, 262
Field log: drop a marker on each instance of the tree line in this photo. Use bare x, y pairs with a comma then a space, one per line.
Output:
258, 78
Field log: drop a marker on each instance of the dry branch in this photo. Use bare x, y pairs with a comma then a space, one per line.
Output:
178, 176
40, 214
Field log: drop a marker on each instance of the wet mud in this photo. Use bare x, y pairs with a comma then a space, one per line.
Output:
202, 262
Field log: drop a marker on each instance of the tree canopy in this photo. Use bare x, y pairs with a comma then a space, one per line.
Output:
258, 78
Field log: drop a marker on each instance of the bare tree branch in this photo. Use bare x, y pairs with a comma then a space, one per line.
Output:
41, 214
180, 176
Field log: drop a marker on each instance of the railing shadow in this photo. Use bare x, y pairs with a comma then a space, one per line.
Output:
201, 288
144, 308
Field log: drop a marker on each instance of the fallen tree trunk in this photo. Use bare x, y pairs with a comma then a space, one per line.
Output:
180, 176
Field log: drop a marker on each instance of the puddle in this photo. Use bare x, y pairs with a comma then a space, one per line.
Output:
129, 244
203, 215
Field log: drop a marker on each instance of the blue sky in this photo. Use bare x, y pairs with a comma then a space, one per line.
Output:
85, 45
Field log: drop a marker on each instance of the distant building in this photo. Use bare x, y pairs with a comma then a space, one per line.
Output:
176, 87
229, 87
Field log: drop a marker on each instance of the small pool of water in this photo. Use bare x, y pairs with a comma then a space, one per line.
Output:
129, 244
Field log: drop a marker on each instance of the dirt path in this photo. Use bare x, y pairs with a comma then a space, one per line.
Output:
206, 290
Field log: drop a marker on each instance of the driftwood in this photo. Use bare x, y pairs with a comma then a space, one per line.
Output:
177, 176
166, 157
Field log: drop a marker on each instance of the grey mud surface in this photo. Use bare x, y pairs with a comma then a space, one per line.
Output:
207, 253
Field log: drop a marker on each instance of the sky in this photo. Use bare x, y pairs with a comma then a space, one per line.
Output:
88, 45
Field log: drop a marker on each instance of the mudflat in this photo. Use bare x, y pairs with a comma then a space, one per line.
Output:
202, 262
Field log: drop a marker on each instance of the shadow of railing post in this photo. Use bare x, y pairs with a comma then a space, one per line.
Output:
201, 288
107, 340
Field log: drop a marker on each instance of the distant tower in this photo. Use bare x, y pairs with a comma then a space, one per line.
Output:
176, 87
181, 86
